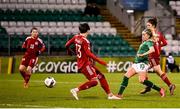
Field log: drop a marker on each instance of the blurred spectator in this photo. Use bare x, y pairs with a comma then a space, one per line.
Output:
95, 9
91, 1
174, 12
171, 63
91, 10
88, 10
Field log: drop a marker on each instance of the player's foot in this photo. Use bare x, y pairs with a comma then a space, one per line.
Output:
120, 96
26, 85
147, 89
113, 97
162, 92
74, 93
172, 88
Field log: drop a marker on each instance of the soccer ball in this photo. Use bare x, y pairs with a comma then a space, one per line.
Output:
49, 82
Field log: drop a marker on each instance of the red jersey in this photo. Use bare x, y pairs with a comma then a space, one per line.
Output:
33, 46
83, 51
157, 46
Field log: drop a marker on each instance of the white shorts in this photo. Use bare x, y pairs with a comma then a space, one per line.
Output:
140, 67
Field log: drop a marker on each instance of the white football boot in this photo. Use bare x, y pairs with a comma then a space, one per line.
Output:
74, 93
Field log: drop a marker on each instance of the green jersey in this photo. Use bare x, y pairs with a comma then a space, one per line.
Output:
144, 47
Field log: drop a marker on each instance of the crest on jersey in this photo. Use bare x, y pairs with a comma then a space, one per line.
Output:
36, 43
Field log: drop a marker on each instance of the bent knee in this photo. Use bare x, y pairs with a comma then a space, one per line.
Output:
21, 68
95, 81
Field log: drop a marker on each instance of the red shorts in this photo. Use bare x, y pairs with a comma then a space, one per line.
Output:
89, 71
26, 61
154, 61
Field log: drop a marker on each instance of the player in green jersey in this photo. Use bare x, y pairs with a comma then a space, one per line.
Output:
140, 65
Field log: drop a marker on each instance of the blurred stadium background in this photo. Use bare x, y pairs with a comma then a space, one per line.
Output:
114, 32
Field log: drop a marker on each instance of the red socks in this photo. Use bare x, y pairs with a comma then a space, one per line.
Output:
102, 80
88, 85
25, 76
165, 79
103, 83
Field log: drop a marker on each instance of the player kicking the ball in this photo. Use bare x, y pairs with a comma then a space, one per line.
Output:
85, 65
33, 47
140, 65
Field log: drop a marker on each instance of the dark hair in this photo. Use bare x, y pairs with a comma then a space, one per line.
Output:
34, 28
153, 21
148, 31
83, 28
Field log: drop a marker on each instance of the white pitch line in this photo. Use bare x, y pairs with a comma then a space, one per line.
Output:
21, 105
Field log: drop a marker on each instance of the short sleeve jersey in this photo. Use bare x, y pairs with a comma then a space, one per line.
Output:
144, 47
32, 46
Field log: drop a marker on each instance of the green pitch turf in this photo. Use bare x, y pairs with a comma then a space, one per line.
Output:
12, 93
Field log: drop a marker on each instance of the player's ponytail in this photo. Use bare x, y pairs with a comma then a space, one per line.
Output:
153, 21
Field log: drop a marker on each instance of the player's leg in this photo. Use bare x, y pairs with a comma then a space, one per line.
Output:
31, 64
90, 74
22, 70
176, 67
130, 72
146, 89
27, 77
23, 66
104, 84
102, 80
157, 69
162, 74
164, 77
156, 66
171, 67
142, 79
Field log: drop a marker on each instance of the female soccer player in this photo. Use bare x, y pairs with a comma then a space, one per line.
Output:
85, 64
154, 58
140, 64
33, 47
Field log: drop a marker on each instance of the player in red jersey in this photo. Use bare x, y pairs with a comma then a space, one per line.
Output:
33, 47
85, 65
154, 58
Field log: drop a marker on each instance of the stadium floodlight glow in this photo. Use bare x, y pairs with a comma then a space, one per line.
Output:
130, 11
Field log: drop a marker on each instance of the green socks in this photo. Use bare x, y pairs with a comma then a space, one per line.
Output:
123, 85
150, 84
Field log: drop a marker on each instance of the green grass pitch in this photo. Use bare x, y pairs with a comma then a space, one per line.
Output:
12, 93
